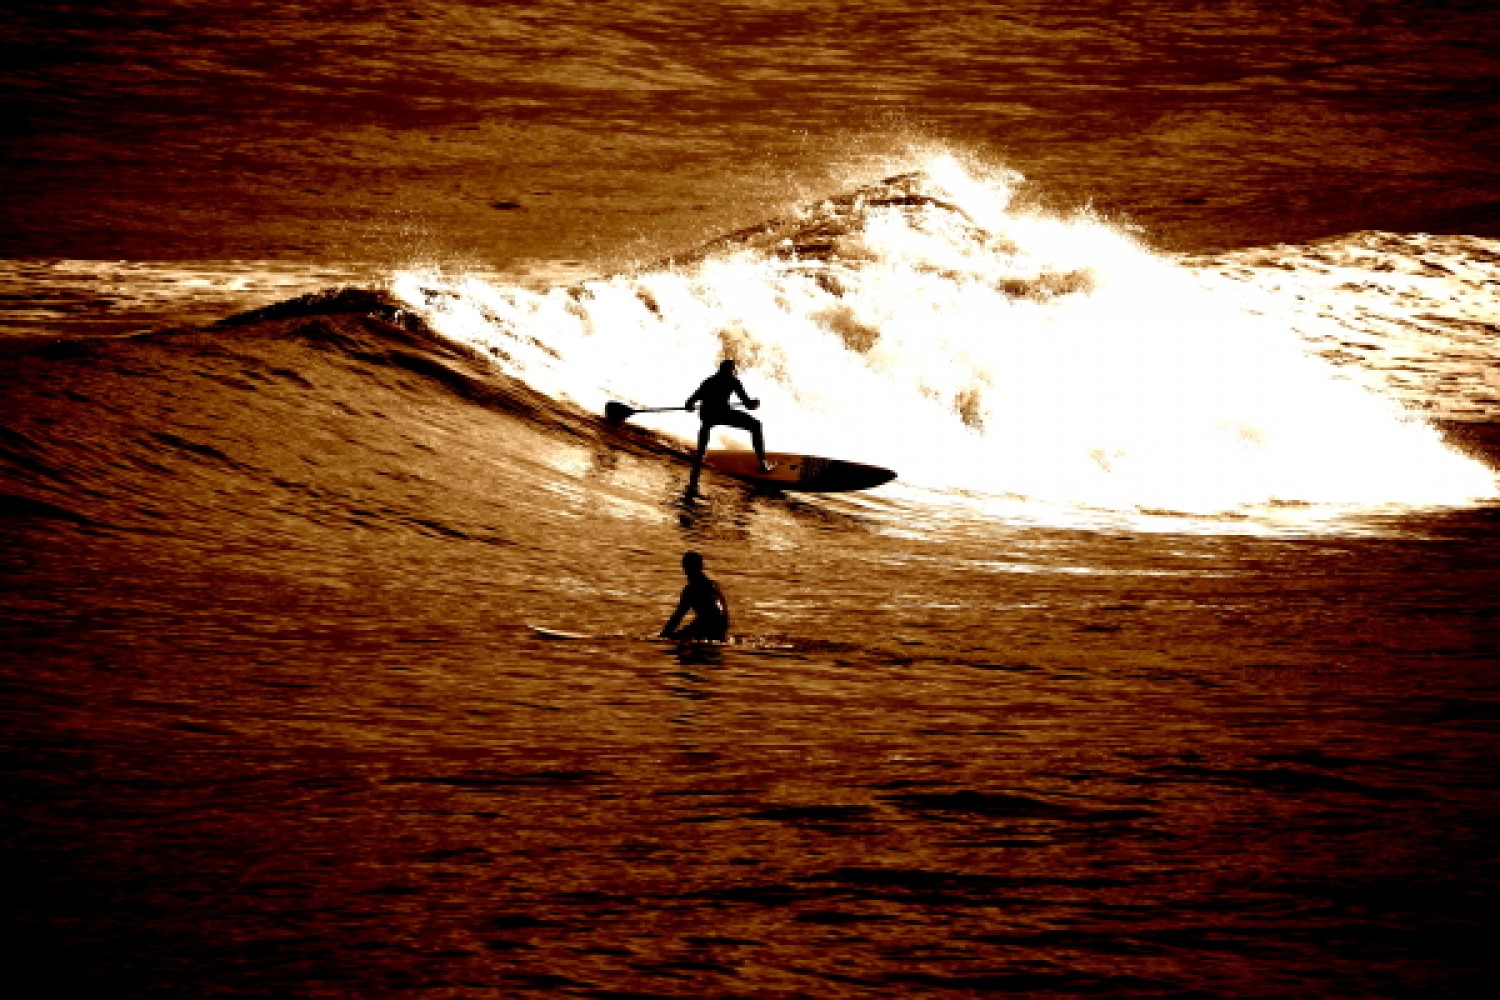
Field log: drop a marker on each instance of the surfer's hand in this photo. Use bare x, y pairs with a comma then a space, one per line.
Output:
754, 404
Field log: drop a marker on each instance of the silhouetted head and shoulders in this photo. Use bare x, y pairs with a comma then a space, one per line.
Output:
717, 391
701, 596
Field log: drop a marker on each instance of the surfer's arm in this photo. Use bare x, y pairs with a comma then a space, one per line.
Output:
739, 390
671, 626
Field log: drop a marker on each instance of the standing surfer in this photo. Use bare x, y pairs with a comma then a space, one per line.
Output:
714, 395
704, 599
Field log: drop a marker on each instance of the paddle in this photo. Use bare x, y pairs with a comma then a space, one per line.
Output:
617, 413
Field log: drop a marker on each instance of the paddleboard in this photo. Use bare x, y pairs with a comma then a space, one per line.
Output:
799, 472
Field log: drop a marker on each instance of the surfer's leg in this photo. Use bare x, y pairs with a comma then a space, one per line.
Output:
744, 421
758, 441
703, 436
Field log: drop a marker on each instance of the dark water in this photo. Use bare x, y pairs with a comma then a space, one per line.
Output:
275, 725
272, 718
356, 131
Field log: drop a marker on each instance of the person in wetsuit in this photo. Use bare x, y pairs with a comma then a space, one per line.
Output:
705, 600
712, 401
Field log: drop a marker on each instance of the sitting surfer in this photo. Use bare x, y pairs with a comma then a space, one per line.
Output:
705, 600
714, 396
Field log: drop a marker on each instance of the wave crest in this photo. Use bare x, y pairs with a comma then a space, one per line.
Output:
928, 323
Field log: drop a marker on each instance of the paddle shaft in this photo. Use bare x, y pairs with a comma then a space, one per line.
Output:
656, 409
617, 412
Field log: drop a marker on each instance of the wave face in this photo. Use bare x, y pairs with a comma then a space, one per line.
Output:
275, 720
936, 324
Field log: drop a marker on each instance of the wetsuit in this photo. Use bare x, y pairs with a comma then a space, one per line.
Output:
710, 611
714, 396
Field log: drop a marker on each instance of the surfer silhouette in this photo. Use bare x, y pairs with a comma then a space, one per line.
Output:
712, 400
704, 599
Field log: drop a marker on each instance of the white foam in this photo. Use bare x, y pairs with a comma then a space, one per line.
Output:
978, 347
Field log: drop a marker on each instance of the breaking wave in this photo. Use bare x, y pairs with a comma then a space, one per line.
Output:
932, 323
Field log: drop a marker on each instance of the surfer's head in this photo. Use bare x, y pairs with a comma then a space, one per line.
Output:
726, 367
692, 563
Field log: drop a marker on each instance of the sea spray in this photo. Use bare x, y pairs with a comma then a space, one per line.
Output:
929, 324
1412, 315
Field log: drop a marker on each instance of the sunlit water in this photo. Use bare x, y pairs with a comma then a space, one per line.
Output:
1166, 668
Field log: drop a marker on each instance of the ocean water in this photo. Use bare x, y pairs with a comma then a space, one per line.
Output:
1166, 667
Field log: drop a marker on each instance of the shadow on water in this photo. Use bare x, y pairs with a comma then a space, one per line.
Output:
692, 685
727, 511
698, 654
722, 516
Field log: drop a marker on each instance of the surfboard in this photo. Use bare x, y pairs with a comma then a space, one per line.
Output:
566, 635
799, 472
751, 642
557, 633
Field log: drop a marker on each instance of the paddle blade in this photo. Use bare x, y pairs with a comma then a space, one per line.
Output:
617, 412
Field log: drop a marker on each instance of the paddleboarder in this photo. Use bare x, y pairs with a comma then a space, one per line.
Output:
713, 403
704, 599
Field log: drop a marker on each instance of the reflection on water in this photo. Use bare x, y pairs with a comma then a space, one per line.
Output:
1136, 780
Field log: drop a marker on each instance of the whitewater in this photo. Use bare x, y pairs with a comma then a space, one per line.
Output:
1166, 668
933, 323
